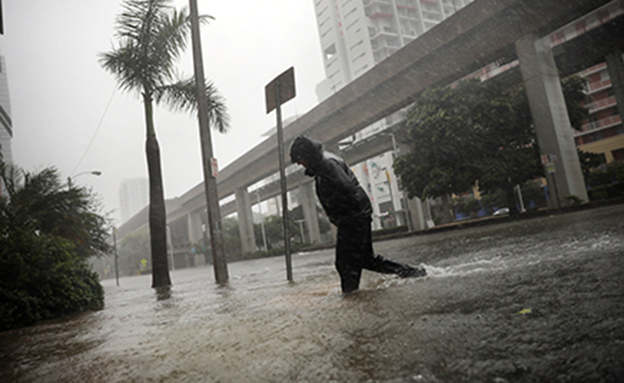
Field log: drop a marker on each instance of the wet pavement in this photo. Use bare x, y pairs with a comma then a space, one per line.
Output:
526, 301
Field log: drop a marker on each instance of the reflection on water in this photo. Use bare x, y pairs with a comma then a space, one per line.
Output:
460, 323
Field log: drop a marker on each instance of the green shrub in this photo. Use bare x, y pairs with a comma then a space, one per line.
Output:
574, 200
47, 232
606, 191
41, 278
389, 231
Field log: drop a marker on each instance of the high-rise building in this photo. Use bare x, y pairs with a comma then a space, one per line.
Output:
357, 34
603, 132
133, 197
6, 125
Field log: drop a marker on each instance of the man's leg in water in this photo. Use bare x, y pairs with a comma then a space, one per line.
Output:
349, 255
376, 262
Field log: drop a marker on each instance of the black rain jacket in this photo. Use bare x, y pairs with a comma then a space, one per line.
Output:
337, 187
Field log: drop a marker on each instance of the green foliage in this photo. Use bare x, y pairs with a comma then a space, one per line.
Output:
493, 200
611, 173
574, 200
474, 133
389, 231
46, 234
589, 162
607, 181
573, 88
132, 249
467, 205
231, 236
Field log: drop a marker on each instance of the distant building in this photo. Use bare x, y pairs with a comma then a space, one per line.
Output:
603, 132
6, 125
133, 197
356, 35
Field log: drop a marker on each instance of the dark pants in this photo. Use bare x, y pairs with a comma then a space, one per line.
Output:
354, 252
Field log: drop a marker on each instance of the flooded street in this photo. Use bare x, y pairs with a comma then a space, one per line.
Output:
528, 301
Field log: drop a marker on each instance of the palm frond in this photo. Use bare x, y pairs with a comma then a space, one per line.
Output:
182, 96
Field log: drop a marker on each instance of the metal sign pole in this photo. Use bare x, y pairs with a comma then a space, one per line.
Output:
278, 91
284, 189
116, 256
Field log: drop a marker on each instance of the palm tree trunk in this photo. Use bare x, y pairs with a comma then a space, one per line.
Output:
157, 213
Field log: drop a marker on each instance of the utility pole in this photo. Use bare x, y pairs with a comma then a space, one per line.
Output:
116, 256
264, 241
210, 176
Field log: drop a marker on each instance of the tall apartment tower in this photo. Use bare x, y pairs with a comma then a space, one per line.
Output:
132, 197
357, 34
6, 125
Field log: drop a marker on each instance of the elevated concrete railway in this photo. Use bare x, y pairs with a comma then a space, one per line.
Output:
483, 32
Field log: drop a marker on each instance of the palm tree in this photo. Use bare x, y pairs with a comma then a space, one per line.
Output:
151, 36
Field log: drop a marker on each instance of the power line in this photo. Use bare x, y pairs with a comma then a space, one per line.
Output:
96, 130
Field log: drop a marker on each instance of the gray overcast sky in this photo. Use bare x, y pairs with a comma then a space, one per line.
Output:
59, 93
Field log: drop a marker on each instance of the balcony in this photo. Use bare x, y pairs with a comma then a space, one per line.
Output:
389, 46
601, 104
384, 33
597, 86
380, 14
596, 68
599, 125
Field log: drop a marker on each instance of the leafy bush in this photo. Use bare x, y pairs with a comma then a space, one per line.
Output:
40, 278
47, 231
389, 231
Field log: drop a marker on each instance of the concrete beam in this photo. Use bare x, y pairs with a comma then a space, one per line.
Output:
480, 33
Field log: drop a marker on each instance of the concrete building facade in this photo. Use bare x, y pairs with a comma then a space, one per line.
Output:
133, 197
6, 124
603, 132
355, 36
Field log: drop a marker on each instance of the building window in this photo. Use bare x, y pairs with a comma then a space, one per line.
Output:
330, 52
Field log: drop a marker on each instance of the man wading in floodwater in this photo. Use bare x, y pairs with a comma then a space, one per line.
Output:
349, 208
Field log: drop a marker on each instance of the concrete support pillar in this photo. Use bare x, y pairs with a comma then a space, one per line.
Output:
615, 66
416, 214
550, 116
307, 198
245, 221
195, 226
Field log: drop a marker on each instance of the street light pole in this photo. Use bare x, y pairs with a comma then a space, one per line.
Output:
300, 222
210, 181
170, 247
116, 255
264, 241
92, 172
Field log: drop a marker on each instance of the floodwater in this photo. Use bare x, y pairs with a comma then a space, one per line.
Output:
527, 301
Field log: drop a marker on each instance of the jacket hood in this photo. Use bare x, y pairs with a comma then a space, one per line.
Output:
308, 149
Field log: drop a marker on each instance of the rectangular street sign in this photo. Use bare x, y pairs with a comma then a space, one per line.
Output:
286, 86
214, 167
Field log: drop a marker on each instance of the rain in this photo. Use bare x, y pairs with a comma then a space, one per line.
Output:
501, 215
